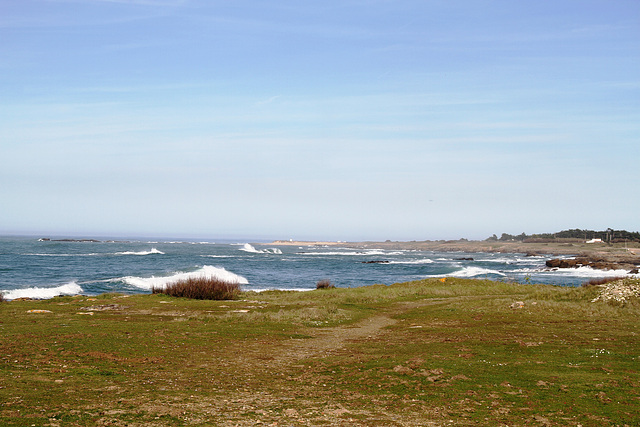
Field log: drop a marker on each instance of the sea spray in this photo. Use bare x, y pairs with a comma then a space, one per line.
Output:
252, 250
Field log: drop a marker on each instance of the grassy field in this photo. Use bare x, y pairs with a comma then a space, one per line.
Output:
433, 352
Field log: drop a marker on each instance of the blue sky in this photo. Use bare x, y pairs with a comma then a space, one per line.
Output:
343, 120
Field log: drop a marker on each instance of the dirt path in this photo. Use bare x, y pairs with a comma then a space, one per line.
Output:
329, 340
261, 406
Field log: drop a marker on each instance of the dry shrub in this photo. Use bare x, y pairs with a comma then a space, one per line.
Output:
208, 288
325, 284
2, 297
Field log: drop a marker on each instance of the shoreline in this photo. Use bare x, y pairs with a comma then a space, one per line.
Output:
616, 256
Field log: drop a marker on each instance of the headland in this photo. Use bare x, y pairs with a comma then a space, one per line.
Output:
607, 256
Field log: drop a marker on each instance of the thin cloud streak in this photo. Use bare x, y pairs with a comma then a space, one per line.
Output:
346, 116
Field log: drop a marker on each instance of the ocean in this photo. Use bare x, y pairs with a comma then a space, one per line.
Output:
36, 268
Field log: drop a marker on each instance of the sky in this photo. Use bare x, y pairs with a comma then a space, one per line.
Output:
337, 120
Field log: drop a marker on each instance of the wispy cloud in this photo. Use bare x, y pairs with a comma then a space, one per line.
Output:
267, 101
152, 3
64, 13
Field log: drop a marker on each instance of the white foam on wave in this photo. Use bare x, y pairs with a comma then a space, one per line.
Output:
153, 251
475, 271
501, 260
71, 288
205, 272
251, 249
587, 271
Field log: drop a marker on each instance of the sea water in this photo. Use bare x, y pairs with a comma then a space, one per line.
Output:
37, 268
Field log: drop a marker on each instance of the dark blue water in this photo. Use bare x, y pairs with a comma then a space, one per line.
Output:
43, 269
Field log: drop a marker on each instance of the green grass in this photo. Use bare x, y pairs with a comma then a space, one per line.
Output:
449, 353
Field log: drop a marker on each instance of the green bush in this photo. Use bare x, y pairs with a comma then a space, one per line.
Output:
200, 288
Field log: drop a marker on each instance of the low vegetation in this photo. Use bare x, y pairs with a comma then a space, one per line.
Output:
325, 284
206, 288
432, 352
602, 281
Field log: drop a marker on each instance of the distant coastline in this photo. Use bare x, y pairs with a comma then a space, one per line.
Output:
623, 256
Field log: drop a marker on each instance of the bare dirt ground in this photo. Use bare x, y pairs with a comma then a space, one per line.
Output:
304, 399
298, 397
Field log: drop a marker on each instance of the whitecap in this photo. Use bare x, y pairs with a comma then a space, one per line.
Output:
275, 251
475, 271
205, 272
251, 249
499, 260
71, 288
153, 251
586, 271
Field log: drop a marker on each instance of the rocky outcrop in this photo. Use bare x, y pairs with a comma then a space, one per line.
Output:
593, 262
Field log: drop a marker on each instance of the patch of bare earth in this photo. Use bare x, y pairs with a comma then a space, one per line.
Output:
277, 384
296, 395
301, 399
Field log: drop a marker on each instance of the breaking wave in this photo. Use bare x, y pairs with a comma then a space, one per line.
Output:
205, 272
153, 251
475, 271
252, 250
71, 288
587, 272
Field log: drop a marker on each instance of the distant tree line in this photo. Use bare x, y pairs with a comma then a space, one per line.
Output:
609, 236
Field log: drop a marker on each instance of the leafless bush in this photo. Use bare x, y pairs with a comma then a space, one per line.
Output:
325, 284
